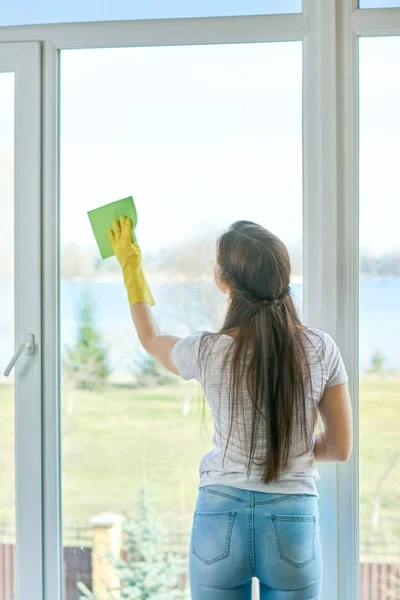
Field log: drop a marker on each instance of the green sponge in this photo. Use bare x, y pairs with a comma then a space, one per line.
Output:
101, 220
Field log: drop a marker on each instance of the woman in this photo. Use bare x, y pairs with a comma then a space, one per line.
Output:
265, 377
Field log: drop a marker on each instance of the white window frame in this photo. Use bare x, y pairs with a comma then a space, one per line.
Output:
329, 30
24, 61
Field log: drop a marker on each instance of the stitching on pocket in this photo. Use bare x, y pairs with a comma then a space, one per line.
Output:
292, 519
227, 515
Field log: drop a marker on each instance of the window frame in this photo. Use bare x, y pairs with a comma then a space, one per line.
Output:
23, 60
329, 31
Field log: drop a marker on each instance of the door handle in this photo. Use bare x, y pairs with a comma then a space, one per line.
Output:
26, 347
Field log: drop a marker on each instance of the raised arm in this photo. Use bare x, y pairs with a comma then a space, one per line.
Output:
139, 295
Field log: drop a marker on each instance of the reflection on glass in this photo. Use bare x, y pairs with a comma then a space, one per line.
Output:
380, 318
19, 12
201, 137
7, 414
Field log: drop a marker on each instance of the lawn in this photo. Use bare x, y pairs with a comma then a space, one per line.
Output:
380, 462
115, 442
119, 440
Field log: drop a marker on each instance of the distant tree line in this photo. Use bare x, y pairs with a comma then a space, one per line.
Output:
198, 306
78, 262
382, 265
194, 258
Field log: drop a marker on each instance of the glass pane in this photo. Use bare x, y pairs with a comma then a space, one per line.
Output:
7, 395
380, 317
379, 3
21, 12
201, 137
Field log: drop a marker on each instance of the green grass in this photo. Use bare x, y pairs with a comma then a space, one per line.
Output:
379, 448
117, 441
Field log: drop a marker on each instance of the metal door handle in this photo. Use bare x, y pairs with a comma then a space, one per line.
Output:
26, 347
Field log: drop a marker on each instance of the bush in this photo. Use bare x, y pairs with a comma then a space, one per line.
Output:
147, 572
151, 374
377, 362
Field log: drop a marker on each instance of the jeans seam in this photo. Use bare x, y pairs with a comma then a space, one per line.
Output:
251, 531
224, 495
215, 515
284, 498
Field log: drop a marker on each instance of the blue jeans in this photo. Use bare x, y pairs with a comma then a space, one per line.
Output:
238, 535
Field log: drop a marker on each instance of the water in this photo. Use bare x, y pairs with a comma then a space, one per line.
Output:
181, 313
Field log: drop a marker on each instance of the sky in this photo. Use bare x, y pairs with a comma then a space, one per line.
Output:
202, 136
379, 143
379, 3
19, 12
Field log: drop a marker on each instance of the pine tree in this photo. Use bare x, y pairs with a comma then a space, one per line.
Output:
148, 571
86, 363
377, 362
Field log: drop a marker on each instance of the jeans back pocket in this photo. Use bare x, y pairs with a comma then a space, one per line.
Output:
211, 537
295, 538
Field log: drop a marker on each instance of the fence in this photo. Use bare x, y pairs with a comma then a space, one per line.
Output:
7, 572
380, 581
85, 548
77, 567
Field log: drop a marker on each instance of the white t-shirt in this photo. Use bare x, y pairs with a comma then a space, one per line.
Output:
326, 369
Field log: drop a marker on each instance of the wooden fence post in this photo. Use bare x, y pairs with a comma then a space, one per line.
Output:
107, 539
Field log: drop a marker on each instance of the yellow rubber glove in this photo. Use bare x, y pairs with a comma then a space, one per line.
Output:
130, 258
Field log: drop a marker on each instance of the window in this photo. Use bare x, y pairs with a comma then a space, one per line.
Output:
7, 390
21, 12
201, 137
379, 316
379, 3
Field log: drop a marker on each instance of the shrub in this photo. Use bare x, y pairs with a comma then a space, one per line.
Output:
148, 571
377, 362
150, 373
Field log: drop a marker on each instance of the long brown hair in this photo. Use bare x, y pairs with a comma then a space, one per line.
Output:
268, 354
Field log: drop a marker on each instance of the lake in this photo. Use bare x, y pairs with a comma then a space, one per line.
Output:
379, 318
